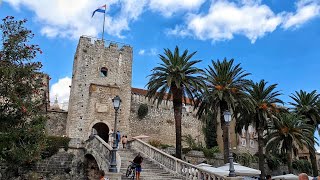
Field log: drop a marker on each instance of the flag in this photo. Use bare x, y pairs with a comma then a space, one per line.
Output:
101, 9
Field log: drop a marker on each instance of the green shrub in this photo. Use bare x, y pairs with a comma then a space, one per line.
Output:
245, 158
210, 153
273, 162
186, 150
302, 166
53, 145
191, 142
142, 111
164, 146
158, 144
155, 143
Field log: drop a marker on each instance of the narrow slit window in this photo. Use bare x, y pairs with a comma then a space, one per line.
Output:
104, 72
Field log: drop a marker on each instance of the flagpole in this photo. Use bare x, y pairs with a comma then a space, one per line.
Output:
104, 19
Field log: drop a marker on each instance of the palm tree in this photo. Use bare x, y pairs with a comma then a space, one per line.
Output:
177, 78
306, 104
264, 99
225, 89
288, 133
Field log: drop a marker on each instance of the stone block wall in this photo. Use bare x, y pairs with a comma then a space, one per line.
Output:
56, 123
159, 123
67, 165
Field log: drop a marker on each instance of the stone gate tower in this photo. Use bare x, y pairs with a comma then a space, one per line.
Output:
99, 74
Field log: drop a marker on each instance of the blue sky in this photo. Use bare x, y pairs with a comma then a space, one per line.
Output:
275, 40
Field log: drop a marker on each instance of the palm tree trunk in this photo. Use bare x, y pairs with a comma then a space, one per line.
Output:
225, 135
289, 156
260, 151
313, 161
177, 107
225, 132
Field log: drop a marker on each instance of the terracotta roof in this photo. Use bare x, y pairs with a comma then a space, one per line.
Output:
144, 92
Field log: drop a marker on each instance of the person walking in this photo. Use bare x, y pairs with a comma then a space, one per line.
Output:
111, 135
138, 161
118, 138
124, 141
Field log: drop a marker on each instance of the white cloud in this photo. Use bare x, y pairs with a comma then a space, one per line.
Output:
72, 18
61, 89
168, 7
148, 52
225, 19
141, 52
306, 10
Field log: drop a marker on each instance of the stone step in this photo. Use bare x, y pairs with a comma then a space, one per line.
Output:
150, 170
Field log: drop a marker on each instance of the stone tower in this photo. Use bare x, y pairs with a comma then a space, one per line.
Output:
99, 74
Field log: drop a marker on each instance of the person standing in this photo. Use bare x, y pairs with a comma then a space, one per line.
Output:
111, 135
138, 161
118, 138
124, 141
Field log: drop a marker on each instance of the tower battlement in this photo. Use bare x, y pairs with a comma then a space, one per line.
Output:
107, 44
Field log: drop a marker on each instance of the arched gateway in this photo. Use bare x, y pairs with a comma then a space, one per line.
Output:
102, 130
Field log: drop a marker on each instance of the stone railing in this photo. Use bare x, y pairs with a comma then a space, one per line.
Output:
175, 165
101, 151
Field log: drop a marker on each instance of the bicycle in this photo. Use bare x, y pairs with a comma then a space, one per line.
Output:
131, 170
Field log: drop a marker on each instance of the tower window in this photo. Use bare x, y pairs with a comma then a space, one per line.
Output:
104, 72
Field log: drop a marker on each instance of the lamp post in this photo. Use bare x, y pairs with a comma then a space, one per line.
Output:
227, 119
113, 164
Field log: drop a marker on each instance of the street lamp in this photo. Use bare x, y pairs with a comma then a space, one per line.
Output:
113, 164
227, 119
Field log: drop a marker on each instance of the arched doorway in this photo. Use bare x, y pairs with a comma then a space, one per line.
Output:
102, 131
91, 168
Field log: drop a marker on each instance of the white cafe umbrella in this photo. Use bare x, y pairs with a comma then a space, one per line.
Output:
241, 170
286, 176
209, 168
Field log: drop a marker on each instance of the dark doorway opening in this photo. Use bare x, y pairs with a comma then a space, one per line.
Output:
102, 131
91, 168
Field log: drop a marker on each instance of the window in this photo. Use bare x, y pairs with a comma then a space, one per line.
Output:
251, 143
104, 72
243, 142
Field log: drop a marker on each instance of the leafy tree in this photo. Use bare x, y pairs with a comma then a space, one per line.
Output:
307, 105
210, 129
263, 99
225, 90
289, 133
177, 78
302, 166
22, 125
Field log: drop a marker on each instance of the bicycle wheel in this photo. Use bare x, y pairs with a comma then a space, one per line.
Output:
133, 173
129, 171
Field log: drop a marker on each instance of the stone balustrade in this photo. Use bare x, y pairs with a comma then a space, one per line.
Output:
101, 151
175, 165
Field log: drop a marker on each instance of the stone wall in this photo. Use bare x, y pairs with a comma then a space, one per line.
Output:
56, 123
67, 165
159, 123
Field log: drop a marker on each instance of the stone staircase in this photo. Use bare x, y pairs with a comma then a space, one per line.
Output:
150, 170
